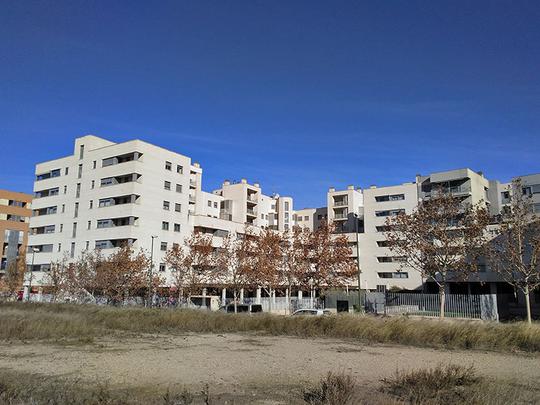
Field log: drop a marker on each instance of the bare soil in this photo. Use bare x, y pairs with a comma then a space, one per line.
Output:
244, 366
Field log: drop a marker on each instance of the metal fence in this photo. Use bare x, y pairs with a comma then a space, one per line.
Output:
455, 306
282, 304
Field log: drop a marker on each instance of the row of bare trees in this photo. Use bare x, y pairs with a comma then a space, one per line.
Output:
268, 260
446, 240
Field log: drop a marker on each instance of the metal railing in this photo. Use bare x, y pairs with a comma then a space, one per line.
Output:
340, 203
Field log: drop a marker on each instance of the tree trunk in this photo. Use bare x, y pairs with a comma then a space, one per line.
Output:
442, 296
528, 304
235, 300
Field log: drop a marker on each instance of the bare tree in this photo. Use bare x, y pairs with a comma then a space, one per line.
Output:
234, 262
123, 274
193, 265
13, 279
265, 266
515, 252
60, 277
331, 260
441, 239
295, 257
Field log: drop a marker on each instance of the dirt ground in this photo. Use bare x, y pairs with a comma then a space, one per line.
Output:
261, 366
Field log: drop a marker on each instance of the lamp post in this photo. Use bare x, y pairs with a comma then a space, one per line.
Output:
34, 250
360, 306
151, 270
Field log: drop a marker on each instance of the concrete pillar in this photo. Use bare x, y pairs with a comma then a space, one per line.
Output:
223, 296
273, 295
204, 292
299, 294
242, 295
258, 296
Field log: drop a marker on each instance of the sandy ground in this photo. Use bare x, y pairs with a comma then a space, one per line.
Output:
239, 362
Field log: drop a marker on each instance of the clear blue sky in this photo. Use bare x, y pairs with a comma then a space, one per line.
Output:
298, 95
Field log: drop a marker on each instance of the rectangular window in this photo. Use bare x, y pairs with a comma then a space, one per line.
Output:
166, 205
89, 225
107, 181
179, 169
306, 218
79, 175
81, 152
65, 189
215, 204
91, 204
66, 171
72, 250
286, 206
163, 246
210, 203
103, 223
61, 227
178, 207
390, 197
63, 208
74, 232
94, 164
76, 214
162, 267
87, 245
177, 227
59, 247
93, 184
167, 185
165, 226
389, 213
168, 166
178, 188
78, 192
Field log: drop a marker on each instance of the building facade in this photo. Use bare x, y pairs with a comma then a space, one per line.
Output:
15, 212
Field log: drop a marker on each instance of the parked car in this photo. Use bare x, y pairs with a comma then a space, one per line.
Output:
312, 312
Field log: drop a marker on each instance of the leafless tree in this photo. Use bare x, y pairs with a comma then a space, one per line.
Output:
234, 262
13, 279
265, 266
515, 252
441, 239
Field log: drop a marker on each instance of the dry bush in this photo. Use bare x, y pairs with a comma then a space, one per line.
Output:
79, 322
334, 389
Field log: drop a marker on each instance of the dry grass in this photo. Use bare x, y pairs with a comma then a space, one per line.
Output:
454, 385
334, 389
64, 322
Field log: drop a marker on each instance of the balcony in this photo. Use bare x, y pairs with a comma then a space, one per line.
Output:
251, 212
126, 178
252, 198
116, 222
192, 183
112, 201
48, 175
44, 211
225, 216
341, 203
116, 160
51, 192
192, 199
340, 216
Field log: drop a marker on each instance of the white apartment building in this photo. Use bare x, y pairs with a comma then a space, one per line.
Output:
107, 194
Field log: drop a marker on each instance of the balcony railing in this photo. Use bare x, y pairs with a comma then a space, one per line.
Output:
341, 216
251, 212
341, 203
252, 197
192, 199
193, 183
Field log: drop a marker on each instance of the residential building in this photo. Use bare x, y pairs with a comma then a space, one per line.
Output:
15, 211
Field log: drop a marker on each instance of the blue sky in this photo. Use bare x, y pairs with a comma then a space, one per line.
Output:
298, 95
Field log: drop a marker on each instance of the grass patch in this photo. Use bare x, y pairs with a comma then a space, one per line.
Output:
82, 323
455, 385
334, 389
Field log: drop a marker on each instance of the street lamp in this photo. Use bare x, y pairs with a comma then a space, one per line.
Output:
151, 269
360, 306
34, 251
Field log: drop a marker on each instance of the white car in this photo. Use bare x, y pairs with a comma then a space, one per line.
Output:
312, 312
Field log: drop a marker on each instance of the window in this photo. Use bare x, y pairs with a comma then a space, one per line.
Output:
262, 216
391, 259
66, 171
165, 226
210, 203
78, 192
59, 247
93, 184
167, 185
79, 175
61, 227
94, 164
286, 206
81, 151
89, 225
179, 169
72, 250
389, 213
178, 188
166, 205
76, 214
74, 231
306, 218
102, 244
215, 204
103, 223
163, 246
63, 208
390, 197
385, 275
162, 267
178, 207
168, 166
107, 181
177, 227
65, 189
91, 204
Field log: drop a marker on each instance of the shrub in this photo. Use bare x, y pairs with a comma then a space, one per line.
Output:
334, 389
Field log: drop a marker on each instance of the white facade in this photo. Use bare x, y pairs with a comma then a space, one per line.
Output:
107, 194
